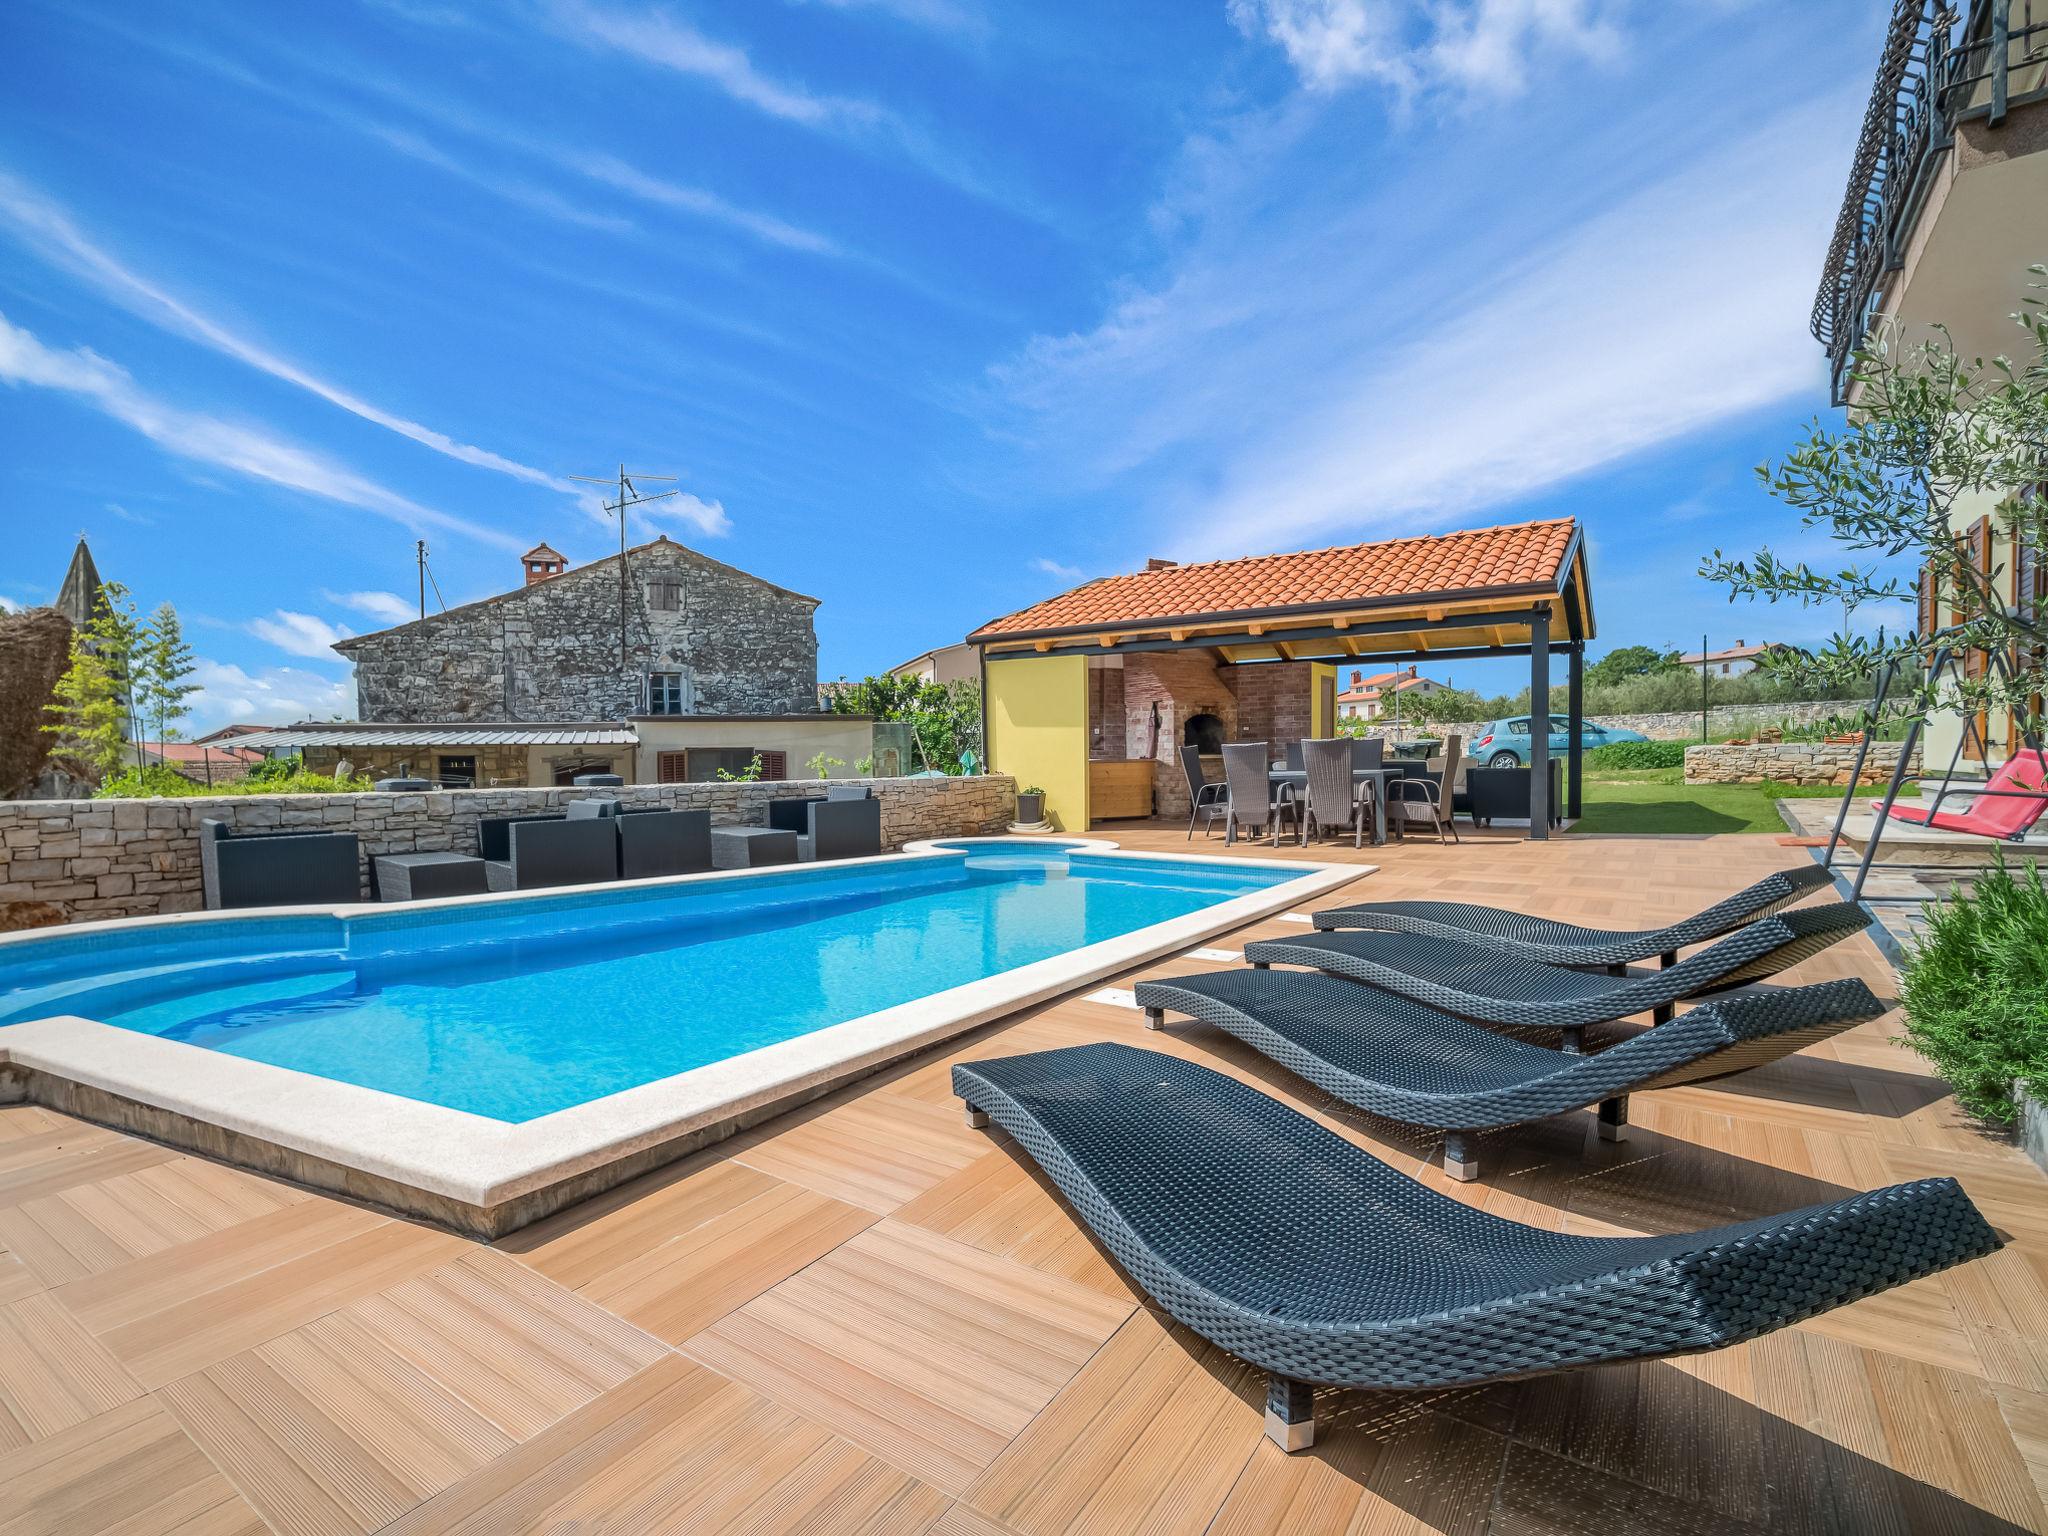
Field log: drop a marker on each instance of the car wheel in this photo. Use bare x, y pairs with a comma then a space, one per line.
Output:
1503, 760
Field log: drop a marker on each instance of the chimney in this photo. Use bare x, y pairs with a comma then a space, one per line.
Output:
1156, 564
541, 562
1738, 642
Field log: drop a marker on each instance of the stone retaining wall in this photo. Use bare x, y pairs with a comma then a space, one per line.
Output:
1792, 763
1681, 725
137, 858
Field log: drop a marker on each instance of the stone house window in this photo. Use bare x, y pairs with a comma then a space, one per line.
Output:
665, 596
668, 693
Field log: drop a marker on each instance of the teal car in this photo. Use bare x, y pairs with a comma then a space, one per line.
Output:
1506, 743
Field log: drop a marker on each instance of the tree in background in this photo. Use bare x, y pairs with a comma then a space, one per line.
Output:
1456, 704
1627, 661
94, 699
163, 668
1929, 429
944, 718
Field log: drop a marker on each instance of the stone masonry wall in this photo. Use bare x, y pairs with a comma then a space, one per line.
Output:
1722, 720
138, 858
1273, 700
1791, 763
1183, 684
551, 651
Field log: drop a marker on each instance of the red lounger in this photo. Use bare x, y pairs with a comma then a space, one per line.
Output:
2007, 815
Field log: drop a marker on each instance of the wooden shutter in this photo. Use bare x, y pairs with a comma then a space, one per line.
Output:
775, 765
671, 768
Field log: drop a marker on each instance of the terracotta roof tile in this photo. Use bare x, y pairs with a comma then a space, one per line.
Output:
1523, 554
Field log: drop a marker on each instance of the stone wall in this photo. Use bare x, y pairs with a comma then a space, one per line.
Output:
1792, 763
1722, 721
1273, 700
137, 858
1183, 684
550, 651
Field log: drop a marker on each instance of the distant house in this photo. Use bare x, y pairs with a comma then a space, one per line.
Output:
1371, 696
659, 664
1739, 658
206, 761
948, 664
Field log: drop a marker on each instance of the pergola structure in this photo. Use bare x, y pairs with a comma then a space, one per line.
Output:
1522, 590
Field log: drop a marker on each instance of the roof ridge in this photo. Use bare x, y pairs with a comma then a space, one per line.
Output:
1326, 549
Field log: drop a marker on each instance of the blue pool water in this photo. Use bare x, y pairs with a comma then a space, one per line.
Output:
516, 1009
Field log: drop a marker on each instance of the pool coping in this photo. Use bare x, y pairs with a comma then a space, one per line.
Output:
487, 1177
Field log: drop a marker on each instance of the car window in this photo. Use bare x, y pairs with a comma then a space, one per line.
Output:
1518, 728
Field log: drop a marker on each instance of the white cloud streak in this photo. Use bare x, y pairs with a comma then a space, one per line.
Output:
1053, 568
300, 634
386, 606
269, 695
1680, 307
206, 439
1418, 47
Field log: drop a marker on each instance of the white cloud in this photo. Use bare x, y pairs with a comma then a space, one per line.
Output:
9, 605
1054, 568
301, 634
938, 15
686, 511
128, 516
387, 606
1264, 414
49, 230
214, 440
1418, 46
269, 695
630, 179
662, 40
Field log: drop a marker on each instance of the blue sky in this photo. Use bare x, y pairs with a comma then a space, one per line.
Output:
934, 306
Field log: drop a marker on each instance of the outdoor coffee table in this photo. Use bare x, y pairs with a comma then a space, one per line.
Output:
420, 876
751, 847
1297, 779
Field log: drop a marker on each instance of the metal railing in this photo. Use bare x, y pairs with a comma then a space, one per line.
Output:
1936, 71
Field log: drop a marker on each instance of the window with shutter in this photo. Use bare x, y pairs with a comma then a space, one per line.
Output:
672, 768
775, 765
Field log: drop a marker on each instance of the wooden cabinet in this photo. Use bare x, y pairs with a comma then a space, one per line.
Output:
1119, 788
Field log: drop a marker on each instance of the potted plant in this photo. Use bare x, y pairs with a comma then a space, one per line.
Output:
1030, 807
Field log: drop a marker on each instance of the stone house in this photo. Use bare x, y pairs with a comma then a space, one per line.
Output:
660, 664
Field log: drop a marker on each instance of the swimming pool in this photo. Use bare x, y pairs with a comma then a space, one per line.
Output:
482, 1048
524, 1011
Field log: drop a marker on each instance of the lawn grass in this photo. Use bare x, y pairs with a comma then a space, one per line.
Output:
1653, 800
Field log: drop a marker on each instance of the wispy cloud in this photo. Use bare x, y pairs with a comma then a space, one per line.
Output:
49, 230
128, 516
269, 695
948, 16
634, 182
388, 607
1679, 307
1415, 47
512, 189
206, 439
300, 634
1054, 568
706, 518
9, 605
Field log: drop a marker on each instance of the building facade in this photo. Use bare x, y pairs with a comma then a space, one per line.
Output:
682, 635
1382, 695
1947, 207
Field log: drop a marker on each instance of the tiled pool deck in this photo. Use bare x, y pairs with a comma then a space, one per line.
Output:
864, 1316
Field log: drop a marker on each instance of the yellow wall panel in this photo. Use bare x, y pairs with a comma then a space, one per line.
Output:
1038, 732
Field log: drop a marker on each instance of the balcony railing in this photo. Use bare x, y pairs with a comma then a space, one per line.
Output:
1936, 71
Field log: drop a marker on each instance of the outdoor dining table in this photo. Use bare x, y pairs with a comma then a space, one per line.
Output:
1298, 778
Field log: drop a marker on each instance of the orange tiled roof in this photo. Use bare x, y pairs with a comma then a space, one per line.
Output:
1521, 555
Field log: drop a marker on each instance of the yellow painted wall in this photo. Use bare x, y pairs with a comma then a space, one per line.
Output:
1038, 732
1321, 723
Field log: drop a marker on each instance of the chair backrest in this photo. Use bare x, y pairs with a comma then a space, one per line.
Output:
592, 810
664, 843
1368, 751
1294, 757
1191, 766
494, 833
848, 792
1245, 766
1454, 760
564, 852
2009, 815
846, 829
1331, 798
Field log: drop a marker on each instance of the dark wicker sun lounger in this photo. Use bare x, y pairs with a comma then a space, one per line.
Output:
1305, 1255
1405, 1061
1476, 982
1555, 943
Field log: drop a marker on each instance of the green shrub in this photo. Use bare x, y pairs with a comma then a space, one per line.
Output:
1638, 754
279, 776
1976, 991
303, 781
156, 782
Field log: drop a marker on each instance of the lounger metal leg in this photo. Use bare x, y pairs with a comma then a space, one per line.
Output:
1617, 970
1155, 1018
1573, 1041
1614, 1119
1461, 1162
1262, 965
1663, 1013
1668, 959
976, 1118
1290, 1413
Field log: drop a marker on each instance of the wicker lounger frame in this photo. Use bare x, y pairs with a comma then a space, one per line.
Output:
1405, 1061
1475, 982
1297, 1251
1554, 943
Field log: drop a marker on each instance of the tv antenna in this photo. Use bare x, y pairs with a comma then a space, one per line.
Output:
427, 575
629, 495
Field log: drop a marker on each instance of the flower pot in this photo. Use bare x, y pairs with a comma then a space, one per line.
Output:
1030, 808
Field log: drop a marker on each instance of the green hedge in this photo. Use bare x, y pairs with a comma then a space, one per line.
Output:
1976, 991
1638, 754
158, 781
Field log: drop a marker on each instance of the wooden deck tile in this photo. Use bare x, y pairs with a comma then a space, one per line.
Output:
131, 1471
53, 1374
928, 1352
875, 1151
